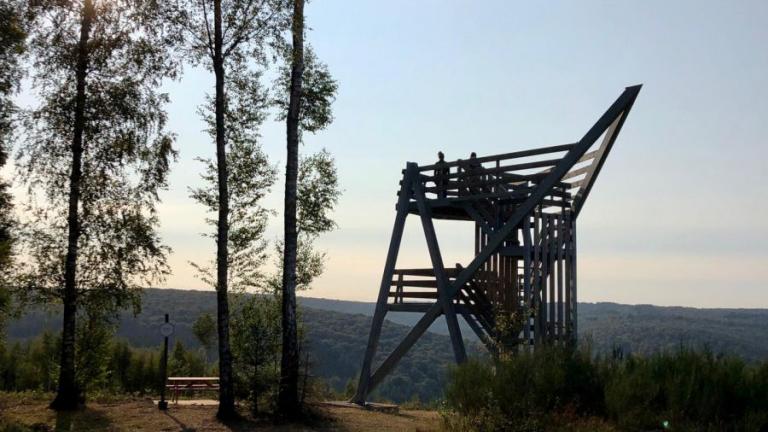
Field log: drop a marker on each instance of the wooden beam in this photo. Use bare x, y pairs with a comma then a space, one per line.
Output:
415, 283
503, 156
537, 267
561, 324
416, 294
391, 361
575, 297
527, 277
427, 272
443, 285
363, 386
475, 215
409, 307
568, 275
612, 133
489, 345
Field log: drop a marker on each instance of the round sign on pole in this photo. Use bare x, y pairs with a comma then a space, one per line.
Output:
166, 329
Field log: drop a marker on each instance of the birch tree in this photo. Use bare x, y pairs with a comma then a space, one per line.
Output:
94, 155
227, 37
310, 110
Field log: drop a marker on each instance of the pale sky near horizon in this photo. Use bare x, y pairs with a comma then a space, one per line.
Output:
679, 215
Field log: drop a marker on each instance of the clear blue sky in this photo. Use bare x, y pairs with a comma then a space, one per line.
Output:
679, 214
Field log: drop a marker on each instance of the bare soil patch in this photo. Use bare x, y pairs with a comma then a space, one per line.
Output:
19, 412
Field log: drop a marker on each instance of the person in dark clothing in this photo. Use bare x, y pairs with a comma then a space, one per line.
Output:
474, 173
441, 175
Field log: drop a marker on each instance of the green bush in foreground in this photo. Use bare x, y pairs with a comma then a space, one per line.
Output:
562, 389
687, 390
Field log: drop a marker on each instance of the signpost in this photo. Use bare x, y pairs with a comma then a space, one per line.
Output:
166, 330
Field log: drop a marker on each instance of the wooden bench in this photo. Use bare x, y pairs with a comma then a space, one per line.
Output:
179, 384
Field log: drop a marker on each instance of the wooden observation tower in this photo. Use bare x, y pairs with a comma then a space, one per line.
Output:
523, 207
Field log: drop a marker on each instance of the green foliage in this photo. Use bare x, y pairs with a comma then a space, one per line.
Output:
126, 152
337, 341
647, 329
117, 367
250, 29
688, 390
256, 346
318, 192
204, 329
185, 363
32, 366
318, 91
13, 34
93, 349
250, 179
520, 391
509, 327
334, 341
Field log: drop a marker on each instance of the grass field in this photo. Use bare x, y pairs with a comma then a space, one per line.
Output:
26, 412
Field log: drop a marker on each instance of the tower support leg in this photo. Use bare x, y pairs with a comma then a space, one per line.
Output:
363, 386
443, 286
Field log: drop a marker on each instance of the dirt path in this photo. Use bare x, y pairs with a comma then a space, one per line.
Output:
143, 415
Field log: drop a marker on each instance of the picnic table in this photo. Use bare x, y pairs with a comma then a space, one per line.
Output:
179, 384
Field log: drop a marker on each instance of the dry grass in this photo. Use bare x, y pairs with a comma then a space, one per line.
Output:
20, 412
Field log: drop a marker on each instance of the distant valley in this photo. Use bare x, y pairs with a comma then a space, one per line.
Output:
337, 331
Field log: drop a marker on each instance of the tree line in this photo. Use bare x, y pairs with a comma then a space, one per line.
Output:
108, 365
94, 152
332, 345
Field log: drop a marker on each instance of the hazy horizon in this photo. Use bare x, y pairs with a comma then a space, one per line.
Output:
309, 295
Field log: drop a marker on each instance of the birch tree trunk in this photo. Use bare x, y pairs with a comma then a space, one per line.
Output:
288, 399
68, 395
226, 392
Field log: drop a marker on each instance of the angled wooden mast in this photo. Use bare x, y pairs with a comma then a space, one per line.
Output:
524, 207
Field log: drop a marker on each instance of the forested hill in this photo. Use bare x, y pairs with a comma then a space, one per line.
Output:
337, 332
640, 329
336, 341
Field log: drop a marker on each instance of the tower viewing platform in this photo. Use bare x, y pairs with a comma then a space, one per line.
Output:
518, 288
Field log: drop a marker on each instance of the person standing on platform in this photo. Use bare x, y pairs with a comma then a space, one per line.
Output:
474, 173
442, 172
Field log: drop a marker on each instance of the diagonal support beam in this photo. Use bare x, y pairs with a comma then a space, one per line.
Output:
602, 153
467, 315
474, 214
443, 286
363, 386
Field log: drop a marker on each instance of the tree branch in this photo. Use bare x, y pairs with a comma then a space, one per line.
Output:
209, 44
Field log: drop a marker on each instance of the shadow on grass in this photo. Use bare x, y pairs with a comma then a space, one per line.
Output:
310, 419
184, 427
86, 419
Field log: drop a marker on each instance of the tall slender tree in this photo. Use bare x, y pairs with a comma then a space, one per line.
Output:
94, 156
288, 396
310, 91
226, 36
